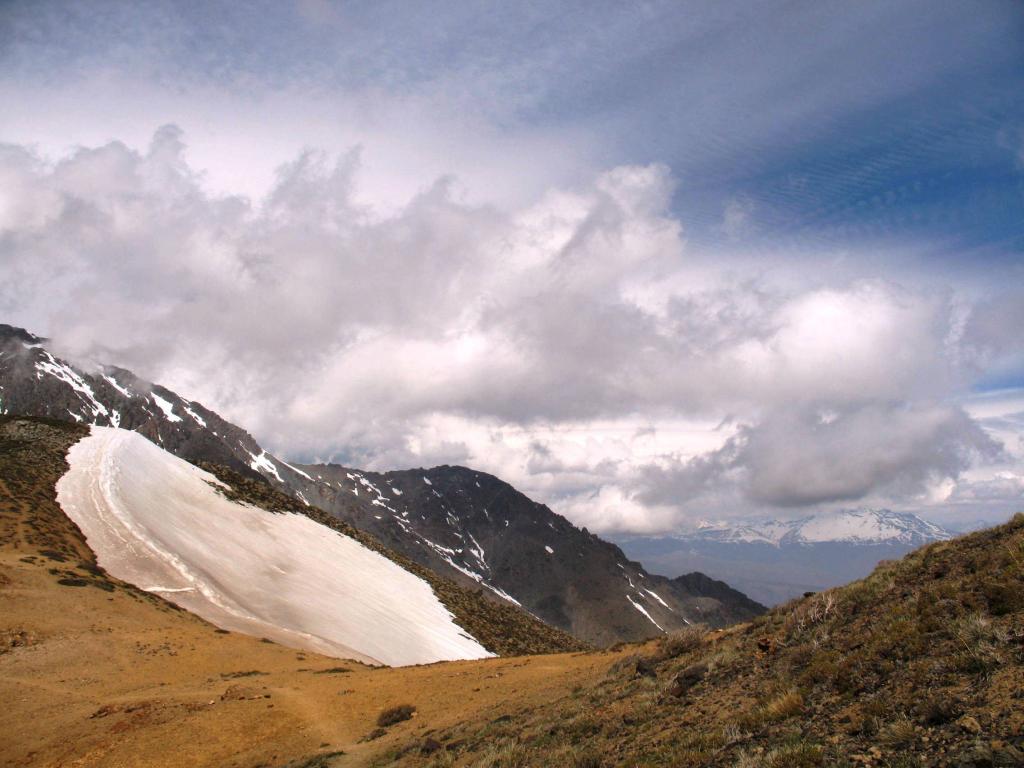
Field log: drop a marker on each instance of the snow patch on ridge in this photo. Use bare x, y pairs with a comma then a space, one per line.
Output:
113, 382
296, 470
656, 597
54, 367
262, 463
166, 406
195, 416
158, 522
644, 612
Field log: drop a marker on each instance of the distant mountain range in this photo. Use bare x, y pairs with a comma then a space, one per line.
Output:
463, 524
853, 526
773, 561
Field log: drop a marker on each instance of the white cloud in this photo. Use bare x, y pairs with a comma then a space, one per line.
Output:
575, 345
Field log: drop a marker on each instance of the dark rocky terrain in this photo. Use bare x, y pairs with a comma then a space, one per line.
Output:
465, 525
33, 382
479, 529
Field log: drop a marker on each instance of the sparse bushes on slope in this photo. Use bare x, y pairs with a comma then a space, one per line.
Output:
681, 641
393, 715
919, 665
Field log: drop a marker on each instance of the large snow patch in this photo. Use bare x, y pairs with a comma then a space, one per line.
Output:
154, 521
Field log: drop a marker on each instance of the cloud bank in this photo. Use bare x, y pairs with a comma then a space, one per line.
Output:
576, 345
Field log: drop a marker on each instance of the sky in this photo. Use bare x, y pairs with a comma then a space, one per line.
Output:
652, 263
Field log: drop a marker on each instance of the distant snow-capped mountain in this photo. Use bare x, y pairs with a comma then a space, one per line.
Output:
775, 560
852, 526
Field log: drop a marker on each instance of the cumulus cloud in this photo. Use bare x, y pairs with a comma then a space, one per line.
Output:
1004, 486
799, 457
576, 345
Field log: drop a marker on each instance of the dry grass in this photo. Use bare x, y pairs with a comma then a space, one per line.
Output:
682, 641
795, 755
980, 641
508, 753
786, 705
898, 734
393, 715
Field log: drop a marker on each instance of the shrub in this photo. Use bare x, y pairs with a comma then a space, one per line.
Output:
939, 710
899, 733
1003, 597
979, 640
821, 667
394, 715
810, 612
788, 704
682, 641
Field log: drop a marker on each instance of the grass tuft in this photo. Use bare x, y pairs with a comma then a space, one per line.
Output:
394, 715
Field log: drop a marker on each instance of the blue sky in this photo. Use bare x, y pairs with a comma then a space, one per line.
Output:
834, 120
705, 207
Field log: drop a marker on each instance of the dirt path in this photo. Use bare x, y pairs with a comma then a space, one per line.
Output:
97, 678
94, 672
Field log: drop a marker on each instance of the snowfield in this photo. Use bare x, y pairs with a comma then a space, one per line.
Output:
155, 521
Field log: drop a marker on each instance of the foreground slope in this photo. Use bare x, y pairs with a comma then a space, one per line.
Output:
920, 664
160, 523
100, 674
464, 525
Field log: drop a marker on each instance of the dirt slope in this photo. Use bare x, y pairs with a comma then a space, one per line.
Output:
921, 664
97, 673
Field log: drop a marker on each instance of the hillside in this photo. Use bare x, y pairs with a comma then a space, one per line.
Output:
920, 664
477, 529
102, 674
466, 526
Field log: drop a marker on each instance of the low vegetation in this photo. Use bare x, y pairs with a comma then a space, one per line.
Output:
393, 715
920, 664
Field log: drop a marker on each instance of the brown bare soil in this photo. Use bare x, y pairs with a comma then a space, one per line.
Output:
94, 672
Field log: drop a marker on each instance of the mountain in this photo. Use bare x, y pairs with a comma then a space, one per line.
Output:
852, 526
243, 556
465, 525
920, 664
479, 530
34, 382
777, 560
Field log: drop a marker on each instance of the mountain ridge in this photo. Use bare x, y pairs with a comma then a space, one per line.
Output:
774, 561
846, 525
441, 519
